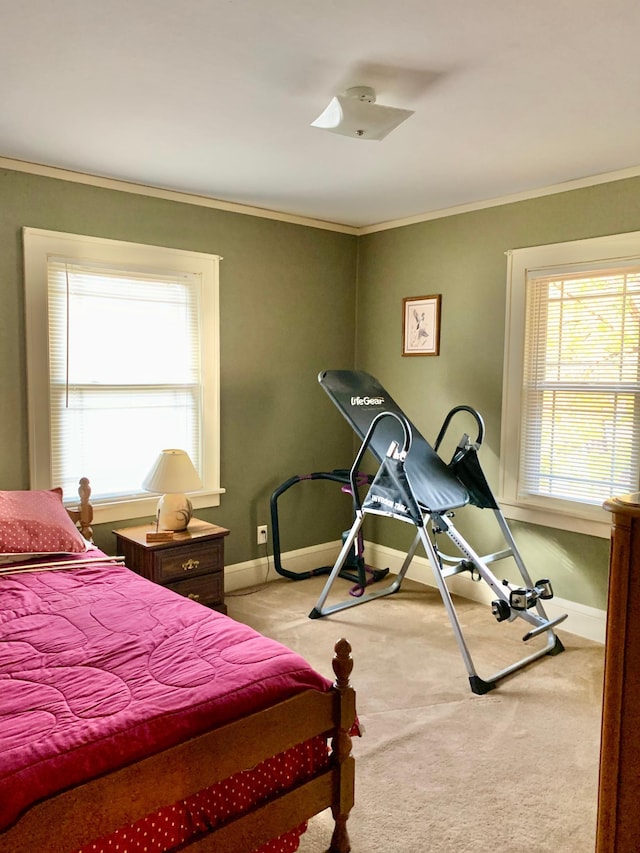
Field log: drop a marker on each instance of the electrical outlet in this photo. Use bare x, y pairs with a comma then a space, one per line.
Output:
262, 534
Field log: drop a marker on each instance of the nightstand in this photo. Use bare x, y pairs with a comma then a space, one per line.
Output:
192, 563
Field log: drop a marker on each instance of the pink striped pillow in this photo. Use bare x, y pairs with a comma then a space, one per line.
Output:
37, 522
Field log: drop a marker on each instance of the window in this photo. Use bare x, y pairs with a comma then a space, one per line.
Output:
571, 405
122, 361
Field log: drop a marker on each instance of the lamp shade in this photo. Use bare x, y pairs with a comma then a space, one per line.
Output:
173, 473
355, 113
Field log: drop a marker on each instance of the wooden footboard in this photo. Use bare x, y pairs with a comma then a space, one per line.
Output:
66, 822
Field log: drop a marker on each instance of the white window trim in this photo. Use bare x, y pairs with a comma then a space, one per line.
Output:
563, 515
38, 245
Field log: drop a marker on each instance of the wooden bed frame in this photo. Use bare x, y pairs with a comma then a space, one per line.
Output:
73, 818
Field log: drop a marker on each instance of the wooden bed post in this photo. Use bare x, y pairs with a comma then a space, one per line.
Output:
343, 794
83, 515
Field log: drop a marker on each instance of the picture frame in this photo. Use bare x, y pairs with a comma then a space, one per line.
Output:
421, 325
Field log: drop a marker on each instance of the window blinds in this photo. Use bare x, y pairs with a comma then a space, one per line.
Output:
124, 352
580, 437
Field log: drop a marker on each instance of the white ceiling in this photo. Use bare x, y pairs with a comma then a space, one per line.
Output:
215, 97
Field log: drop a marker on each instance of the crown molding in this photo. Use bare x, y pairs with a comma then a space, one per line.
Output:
248, 210
566, 186
170, 195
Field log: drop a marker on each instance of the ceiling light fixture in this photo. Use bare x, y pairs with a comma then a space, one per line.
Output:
355, 113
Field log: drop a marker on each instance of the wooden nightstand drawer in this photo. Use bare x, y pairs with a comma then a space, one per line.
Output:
174, 564
207, 589
191, 563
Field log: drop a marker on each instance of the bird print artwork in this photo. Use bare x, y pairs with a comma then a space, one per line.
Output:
421, 325
419, 334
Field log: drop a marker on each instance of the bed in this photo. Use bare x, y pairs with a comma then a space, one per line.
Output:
132, 718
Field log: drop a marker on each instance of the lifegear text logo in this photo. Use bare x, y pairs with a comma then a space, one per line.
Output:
367, 401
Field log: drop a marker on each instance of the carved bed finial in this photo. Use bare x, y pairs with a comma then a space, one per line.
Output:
342, 663
83, 515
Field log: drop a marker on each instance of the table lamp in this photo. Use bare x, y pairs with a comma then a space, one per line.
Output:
173, 474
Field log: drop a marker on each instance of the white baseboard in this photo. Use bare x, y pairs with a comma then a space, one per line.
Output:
582, 620
253, 572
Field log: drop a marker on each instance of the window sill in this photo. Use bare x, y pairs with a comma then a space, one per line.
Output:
596, 523
141, 507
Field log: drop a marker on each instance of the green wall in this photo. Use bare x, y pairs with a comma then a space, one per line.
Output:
296, 300
287, 303
463, 258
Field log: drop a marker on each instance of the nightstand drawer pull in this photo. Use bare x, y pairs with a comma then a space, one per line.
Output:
205, 589
190, 564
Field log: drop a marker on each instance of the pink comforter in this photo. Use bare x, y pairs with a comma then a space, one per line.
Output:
100, 667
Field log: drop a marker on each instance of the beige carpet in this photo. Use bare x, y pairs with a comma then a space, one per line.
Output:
440, 769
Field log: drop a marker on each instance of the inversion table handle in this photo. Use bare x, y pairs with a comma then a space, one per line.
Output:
353, 474
475, 414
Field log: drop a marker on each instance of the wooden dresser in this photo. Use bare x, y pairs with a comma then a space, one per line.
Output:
192, 563
618, 828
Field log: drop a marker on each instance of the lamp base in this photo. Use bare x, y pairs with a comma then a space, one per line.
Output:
174, 512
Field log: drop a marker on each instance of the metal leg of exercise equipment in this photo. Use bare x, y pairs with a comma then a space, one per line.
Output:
510, 602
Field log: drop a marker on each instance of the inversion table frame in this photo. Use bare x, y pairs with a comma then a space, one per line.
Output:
414, 485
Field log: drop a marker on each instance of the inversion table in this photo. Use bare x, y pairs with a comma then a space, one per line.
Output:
413, 484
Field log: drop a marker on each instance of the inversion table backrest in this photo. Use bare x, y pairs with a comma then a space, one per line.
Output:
360, 397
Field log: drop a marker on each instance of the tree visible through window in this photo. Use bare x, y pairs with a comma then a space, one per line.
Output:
571, 404
581, 386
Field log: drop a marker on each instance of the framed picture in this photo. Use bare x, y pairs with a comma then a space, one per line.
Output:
421, 325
